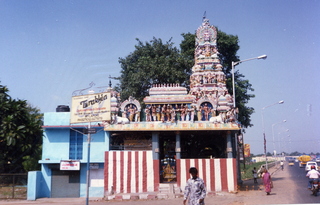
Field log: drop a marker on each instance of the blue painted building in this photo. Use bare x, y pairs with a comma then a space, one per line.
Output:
65, 143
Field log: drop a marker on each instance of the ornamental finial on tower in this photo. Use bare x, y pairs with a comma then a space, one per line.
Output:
205, 21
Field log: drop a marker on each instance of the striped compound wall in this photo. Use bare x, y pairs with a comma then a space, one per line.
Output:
130, 172
218, 174
137, 172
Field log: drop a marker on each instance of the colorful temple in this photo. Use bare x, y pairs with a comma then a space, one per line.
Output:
137, 149
180, 129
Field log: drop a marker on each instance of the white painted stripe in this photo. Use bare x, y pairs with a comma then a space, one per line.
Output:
200, 171
230, 178
140, 176
208, 174
183, 177
150, 172
133, 173
117, 174
217, 175
110, 171
125, 172
192, 163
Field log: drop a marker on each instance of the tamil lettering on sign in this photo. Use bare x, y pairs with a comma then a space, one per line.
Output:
91, 108
69, 165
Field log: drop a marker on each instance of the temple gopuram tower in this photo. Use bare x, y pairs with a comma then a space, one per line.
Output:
208, 81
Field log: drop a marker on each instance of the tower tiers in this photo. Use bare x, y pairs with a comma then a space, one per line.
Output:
208, 81
208, 95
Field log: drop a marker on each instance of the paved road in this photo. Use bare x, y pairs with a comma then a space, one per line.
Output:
289, 188
301, 193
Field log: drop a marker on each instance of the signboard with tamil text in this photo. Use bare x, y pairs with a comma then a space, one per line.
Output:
91, 108
69, 165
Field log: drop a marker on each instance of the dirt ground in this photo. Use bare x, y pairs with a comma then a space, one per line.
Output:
249, 193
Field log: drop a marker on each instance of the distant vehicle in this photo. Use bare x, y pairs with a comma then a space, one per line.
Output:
291, 162
303, 159
317, 159
309, 164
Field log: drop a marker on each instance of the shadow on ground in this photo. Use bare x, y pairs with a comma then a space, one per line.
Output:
250, 187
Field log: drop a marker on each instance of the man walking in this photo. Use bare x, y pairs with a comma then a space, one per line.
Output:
195, 189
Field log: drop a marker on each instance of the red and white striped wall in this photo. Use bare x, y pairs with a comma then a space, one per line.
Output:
218, 174
130, 172
137, 172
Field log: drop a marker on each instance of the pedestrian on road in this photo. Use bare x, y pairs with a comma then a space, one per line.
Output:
267, 182
255, 175
281, 163
195, 190
261, 171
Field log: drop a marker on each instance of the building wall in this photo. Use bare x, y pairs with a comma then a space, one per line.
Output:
34, 187
120, 171
218, 174
56, 141
56, 118
57, 138
55, 145
136, 172
130, 172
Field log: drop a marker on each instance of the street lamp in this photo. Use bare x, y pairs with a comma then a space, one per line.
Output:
274, 147
264, 134
233, 64
280, 141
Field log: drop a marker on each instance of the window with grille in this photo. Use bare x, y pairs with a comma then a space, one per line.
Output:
76, 145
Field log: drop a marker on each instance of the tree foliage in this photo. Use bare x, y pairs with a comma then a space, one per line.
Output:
151, 63
20, 134
156, 62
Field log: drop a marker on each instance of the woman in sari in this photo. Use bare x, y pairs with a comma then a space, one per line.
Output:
266, 179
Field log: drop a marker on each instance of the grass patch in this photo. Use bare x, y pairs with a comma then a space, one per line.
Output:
246, 171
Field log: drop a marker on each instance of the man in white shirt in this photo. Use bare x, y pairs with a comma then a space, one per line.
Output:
313, 174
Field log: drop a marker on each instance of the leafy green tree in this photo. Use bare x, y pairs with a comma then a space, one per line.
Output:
151, 63
20, 134
156, 62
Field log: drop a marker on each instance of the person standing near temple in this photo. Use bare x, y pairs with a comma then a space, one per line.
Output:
195, 190
255, 175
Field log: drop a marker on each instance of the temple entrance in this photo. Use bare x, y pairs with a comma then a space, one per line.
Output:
167, 146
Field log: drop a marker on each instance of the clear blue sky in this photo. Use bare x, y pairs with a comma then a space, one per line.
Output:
48, 49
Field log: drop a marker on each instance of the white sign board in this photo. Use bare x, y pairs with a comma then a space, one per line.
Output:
94, 166
91, 108
69, 165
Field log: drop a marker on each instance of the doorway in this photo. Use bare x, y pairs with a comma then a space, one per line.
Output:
65, 184
167, 145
